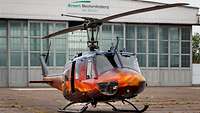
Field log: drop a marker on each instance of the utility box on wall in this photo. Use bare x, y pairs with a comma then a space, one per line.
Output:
196, 74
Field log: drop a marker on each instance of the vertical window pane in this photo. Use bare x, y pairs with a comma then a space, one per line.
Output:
15, 29
60, 44
3, 44
185, 47
25, 44
163, 46
45, 44
174, 61
25, 29
25, 59
60, 59
51, 60
3, 28
35, 44
35, 29
35, 59
15, 58
185, 33
118, 31
174, 34
185, 61
153, 60
142, 60
163, 32
163, 60
15, 44
106, 32
130, 32
141, 32
152, 32
152, 46
174, 47
47, 28
3, 59
130, 46
60, 26
141, 46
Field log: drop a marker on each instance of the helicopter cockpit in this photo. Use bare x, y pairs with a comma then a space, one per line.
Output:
95, 64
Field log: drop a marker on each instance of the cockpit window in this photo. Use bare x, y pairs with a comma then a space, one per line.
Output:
102, 64
129, 61
90, 69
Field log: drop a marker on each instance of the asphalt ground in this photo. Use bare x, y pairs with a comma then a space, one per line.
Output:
48, 100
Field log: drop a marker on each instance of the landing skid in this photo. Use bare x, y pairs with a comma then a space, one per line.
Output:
84, 108
136, 109
64, 110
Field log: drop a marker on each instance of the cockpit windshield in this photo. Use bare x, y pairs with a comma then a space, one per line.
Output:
108, 61
129, 60
102, 64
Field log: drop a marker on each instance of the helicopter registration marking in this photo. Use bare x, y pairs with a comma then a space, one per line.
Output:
33, 89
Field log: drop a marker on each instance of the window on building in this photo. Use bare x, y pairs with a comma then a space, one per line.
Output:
3, 41
106, 37
3, 44
119, 32
163, 32
152, 32
174, 59
163, 60
35, 44
60, 59
130, 38
185, 47
142, 60
35, 59
141, 46
153, 46
130, 45
141, 32
185, 61
3, 28
153, 60
15, 58
185, 33
174, 47
35, 29
3, 57
163, 46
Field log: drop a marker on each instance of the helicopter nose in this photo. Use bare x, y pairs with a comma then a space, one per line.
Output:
132, 82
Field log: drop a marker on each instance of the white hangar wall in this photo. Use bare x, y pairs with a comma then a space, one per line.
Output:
37, 13
51, 10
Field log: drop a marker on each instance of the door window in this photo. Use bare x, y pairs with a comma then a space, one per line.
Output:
90, 69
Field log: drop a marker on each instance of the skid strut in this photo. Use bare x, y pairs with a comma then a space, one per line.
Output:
136, 109
64, 110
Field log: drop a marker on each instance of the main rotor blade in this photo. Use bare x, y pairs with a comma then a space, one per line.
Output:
79, 27
158, 7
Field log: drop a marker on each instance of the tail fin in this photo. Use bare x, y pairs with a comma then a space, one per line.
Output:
44, 66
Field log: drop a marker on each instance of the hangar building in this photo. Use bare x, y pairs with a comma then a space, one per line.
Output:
161, 39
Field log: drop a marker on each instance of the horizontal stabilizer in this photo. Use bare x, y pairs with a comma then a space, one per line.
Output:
43, 81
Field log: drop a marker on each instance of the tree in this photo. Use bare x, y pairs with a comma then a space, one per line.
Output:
196, 48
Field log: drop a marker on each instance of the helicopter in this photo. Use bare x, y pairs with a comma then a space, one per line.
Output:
98, 76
